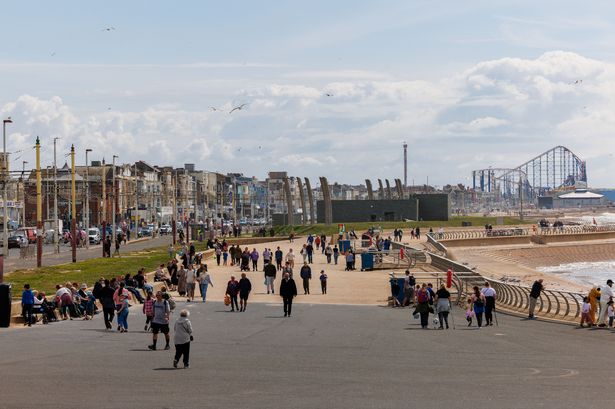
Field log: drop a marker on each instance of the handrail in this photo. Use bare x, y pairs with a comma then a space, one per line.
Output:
435, 237
553, 304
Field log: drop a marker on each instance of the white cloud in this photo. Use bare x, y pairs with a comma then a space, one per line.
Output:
495, 113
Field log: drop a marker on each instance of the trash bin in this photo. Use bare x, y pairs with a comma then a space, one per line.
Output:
344, 245
5, 305
367, 261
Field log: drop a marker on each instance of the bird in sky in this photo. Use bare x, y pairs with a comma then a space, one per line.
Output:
108, 29
53, 53
238, 108
259, 147
215, 109
577, 82
328, 95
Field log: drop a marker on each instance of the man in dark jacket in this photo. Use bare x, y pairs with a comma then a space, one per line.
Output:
270, 273
306, 276
537, 288
106, 299
288, 290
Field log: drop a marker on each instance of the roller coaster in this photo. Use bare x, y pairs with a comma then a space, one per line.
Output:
556, 169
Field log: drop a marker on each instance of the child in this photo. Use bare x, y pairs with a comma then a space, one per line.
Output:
148, 309
27, 303
469, 312
122, 313
585, 313
323, 281
610, 312
182, 338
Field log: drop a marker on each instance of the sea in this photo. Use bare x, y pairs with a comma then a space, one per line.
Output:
587, 273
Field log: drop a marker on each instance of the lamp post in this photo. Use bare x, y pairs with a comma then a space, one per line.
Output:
56, 224
23, 187
39, 206
73, 209
86, 207
5, 175
137, 220
113, 233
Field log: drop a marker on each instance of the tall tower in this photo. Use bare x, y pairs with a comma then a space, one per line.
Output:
405, 164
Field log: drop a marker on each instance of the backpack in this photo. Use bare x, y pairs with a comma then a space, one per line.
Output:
172, 303
423, 296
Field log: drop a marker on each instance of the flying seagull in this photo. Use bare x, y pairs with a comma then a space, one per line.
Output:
108, 29
215, 109
238, 108
328, 95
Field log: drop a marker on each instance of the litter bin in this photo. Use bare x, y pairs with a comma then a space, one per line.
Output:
367, 261
5, 305
344, 245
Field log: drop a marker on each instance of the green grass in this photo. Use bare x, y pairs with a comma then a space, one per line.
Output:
87, 271
477, 222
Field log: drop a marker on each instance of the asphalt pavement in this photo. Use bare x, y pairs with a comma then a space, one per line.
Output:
324, 356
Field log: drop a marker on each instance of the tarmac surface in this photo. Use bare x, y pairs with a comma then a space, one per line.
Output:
324, 356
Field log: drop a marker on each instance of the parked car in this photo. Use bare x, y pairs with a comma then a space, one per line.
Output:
144, 232
165, 229
29, 233
17, 240
94, 235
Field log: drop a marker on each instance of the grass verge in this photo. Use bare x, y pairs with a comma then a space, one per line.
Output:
476, 221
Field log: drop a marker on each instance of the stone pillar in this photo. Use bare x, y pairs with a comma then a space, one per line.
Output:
289, 201
380, 190
370, 191
389, 194
302, 198
310, 197
326, 195
400, 189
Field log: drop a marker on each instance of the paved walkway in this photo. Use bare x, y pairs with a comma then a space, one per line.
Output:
322, 357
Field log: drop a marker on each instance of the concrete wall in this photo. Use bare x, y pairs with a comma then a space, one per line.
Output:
486, 241
433, 206
345, 211
562, 238
281, 219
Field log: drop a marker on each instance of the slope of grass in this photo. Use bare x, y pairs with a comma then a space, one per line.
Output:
477, 222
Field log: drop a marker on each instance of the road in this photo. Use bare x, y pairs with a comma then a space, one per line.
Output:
65, 256
323, 356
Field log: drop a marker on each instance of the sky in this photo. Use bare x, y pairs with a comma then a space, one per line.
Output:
332, 88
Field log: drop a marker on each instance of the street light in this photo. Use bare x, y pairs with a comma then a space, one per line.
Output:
23, 184
5, 174
113, 199
56, 224
86, 208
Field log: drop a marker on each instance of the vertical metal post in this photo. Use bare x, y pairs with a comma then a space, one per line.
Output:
136, 203
86, 218
113, 193
6, 177
73, 216
174, 218
56, 225
23, 188
39, 206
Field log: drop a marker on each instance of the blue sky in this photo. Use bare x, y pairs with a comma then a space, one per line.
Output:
489, 81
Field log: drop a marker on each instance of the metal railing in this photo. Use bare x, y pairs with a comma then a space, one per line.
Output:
552, 304
519, 231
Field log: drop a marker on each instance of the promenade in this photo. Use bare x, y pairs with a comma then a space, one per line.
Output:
324, 356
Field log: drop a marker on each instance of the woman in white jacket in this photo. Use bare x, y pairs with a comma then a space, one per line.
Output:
182, 338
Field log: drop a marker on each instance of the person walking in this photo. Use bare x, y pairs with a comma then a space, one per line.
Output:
181, 281
443, 305
27, 303
108, 304
266, 256
537, 288
279, 256
288, 290
232, 288
349, 261
148, 309
218, 252
328, 252
122, 313
490, 296
190, 283
254, 257
306, 276
245, 287
478, 302
303, 252
160, 322
323, 282
310, 252
270, 274
336, 254
606, 295
182, 336
290, 258
423, 308
585, 309
204, 283
409, 283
